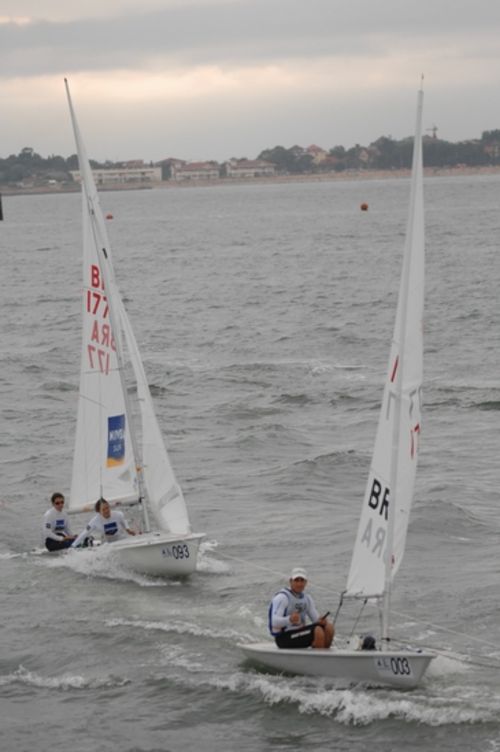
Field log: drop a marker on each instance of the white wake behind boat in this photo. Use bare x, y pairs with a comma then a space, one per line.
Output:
381, 536
119, 450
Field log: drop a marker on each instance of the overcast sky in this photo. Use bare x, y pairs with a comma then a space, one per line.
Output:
213, 79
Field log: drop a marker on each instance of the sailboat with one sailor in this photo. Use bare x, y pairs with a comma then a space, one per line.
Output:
381, 537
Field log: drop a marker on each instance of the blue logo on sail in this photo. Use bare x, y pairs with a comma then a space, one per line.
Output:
116, 440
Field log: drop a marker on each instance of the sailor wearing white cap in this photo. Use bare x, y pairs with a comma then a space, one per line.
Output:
289, 612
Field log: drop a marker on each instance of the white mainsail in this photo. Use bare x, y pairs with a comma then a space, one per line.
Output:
103, 462
108, 460
381, 536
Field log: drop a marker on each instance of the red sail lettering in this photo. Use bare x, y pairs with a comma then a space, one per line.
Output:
103, 361
91, 351
94, 337
96, 298
105, 335
95, 277
414, 433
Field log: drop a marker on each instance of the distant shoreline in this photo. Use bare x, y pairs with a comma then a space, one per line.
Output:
347, 175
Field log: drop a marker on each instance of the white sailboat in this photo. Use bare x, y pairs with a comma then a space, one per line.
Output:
119, 451
381, 537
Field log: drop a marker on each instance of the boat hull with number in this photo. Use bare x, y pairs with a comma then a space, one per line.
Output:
159, 554
401, 669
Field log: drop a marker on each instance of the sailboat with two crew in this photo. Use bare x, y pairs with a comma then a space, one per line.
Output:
119, 450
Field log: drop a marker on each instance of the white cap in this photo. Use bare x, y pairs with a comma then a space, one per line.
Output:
298, 572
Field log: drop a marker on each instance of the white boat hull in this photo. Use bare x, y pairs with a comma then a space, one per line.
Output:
159, 554
396, 668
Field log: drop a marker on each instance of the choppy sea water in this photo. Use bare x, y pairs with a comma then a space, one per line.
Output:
264, 315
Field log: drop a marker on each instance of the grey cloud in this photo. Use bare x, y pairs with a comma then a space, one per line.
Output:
250, 31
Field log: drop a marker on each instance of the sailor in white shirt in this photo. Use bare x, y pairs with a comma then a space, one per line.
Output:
108, 525
289, 613
56, 530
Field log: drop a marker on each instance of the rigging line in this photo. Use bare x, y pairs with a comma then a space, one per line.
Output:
479, 640
338, 594
358, 617
250, 563
427, 623
489, 665
469, 659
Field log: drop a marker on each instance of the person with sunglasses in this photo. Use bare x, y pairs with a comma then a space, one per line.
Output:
56, 530
294, 621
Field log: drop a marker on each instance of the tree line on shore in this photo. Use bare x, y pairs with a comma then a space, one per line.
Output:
385, 153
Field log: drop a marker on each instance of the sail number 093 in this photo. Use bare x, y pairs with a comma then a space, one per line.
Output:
180, 551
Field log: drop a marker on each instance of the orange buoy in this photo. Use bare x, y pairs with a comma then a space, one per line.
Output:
364, 207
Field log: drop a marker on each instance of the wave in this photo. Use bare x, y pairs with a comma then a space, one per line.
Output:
338, 455
435, 513
467, 396
58, 386
207, 564
13, 554
158, 391
349, 706
180, 627
488, 405
243, 367
293, 399
64, 682
101, 562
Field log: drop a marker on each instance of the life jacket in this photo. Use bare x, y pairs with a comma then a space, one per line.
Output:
295, 603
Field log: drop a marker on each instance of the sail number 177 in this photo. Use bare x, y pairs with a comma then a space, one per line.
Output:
96, 300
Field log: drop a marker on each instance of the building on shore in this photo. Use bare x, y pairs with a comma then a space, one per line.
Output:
123, 175
317, 153
248, 168
195, 171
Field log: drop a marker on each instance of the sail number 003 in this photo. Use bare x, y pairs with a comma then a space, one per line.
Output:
400, 666
394, 664
180, 551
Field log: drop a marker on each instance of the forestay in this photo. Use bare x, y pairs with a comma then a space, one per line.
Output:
389, 492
